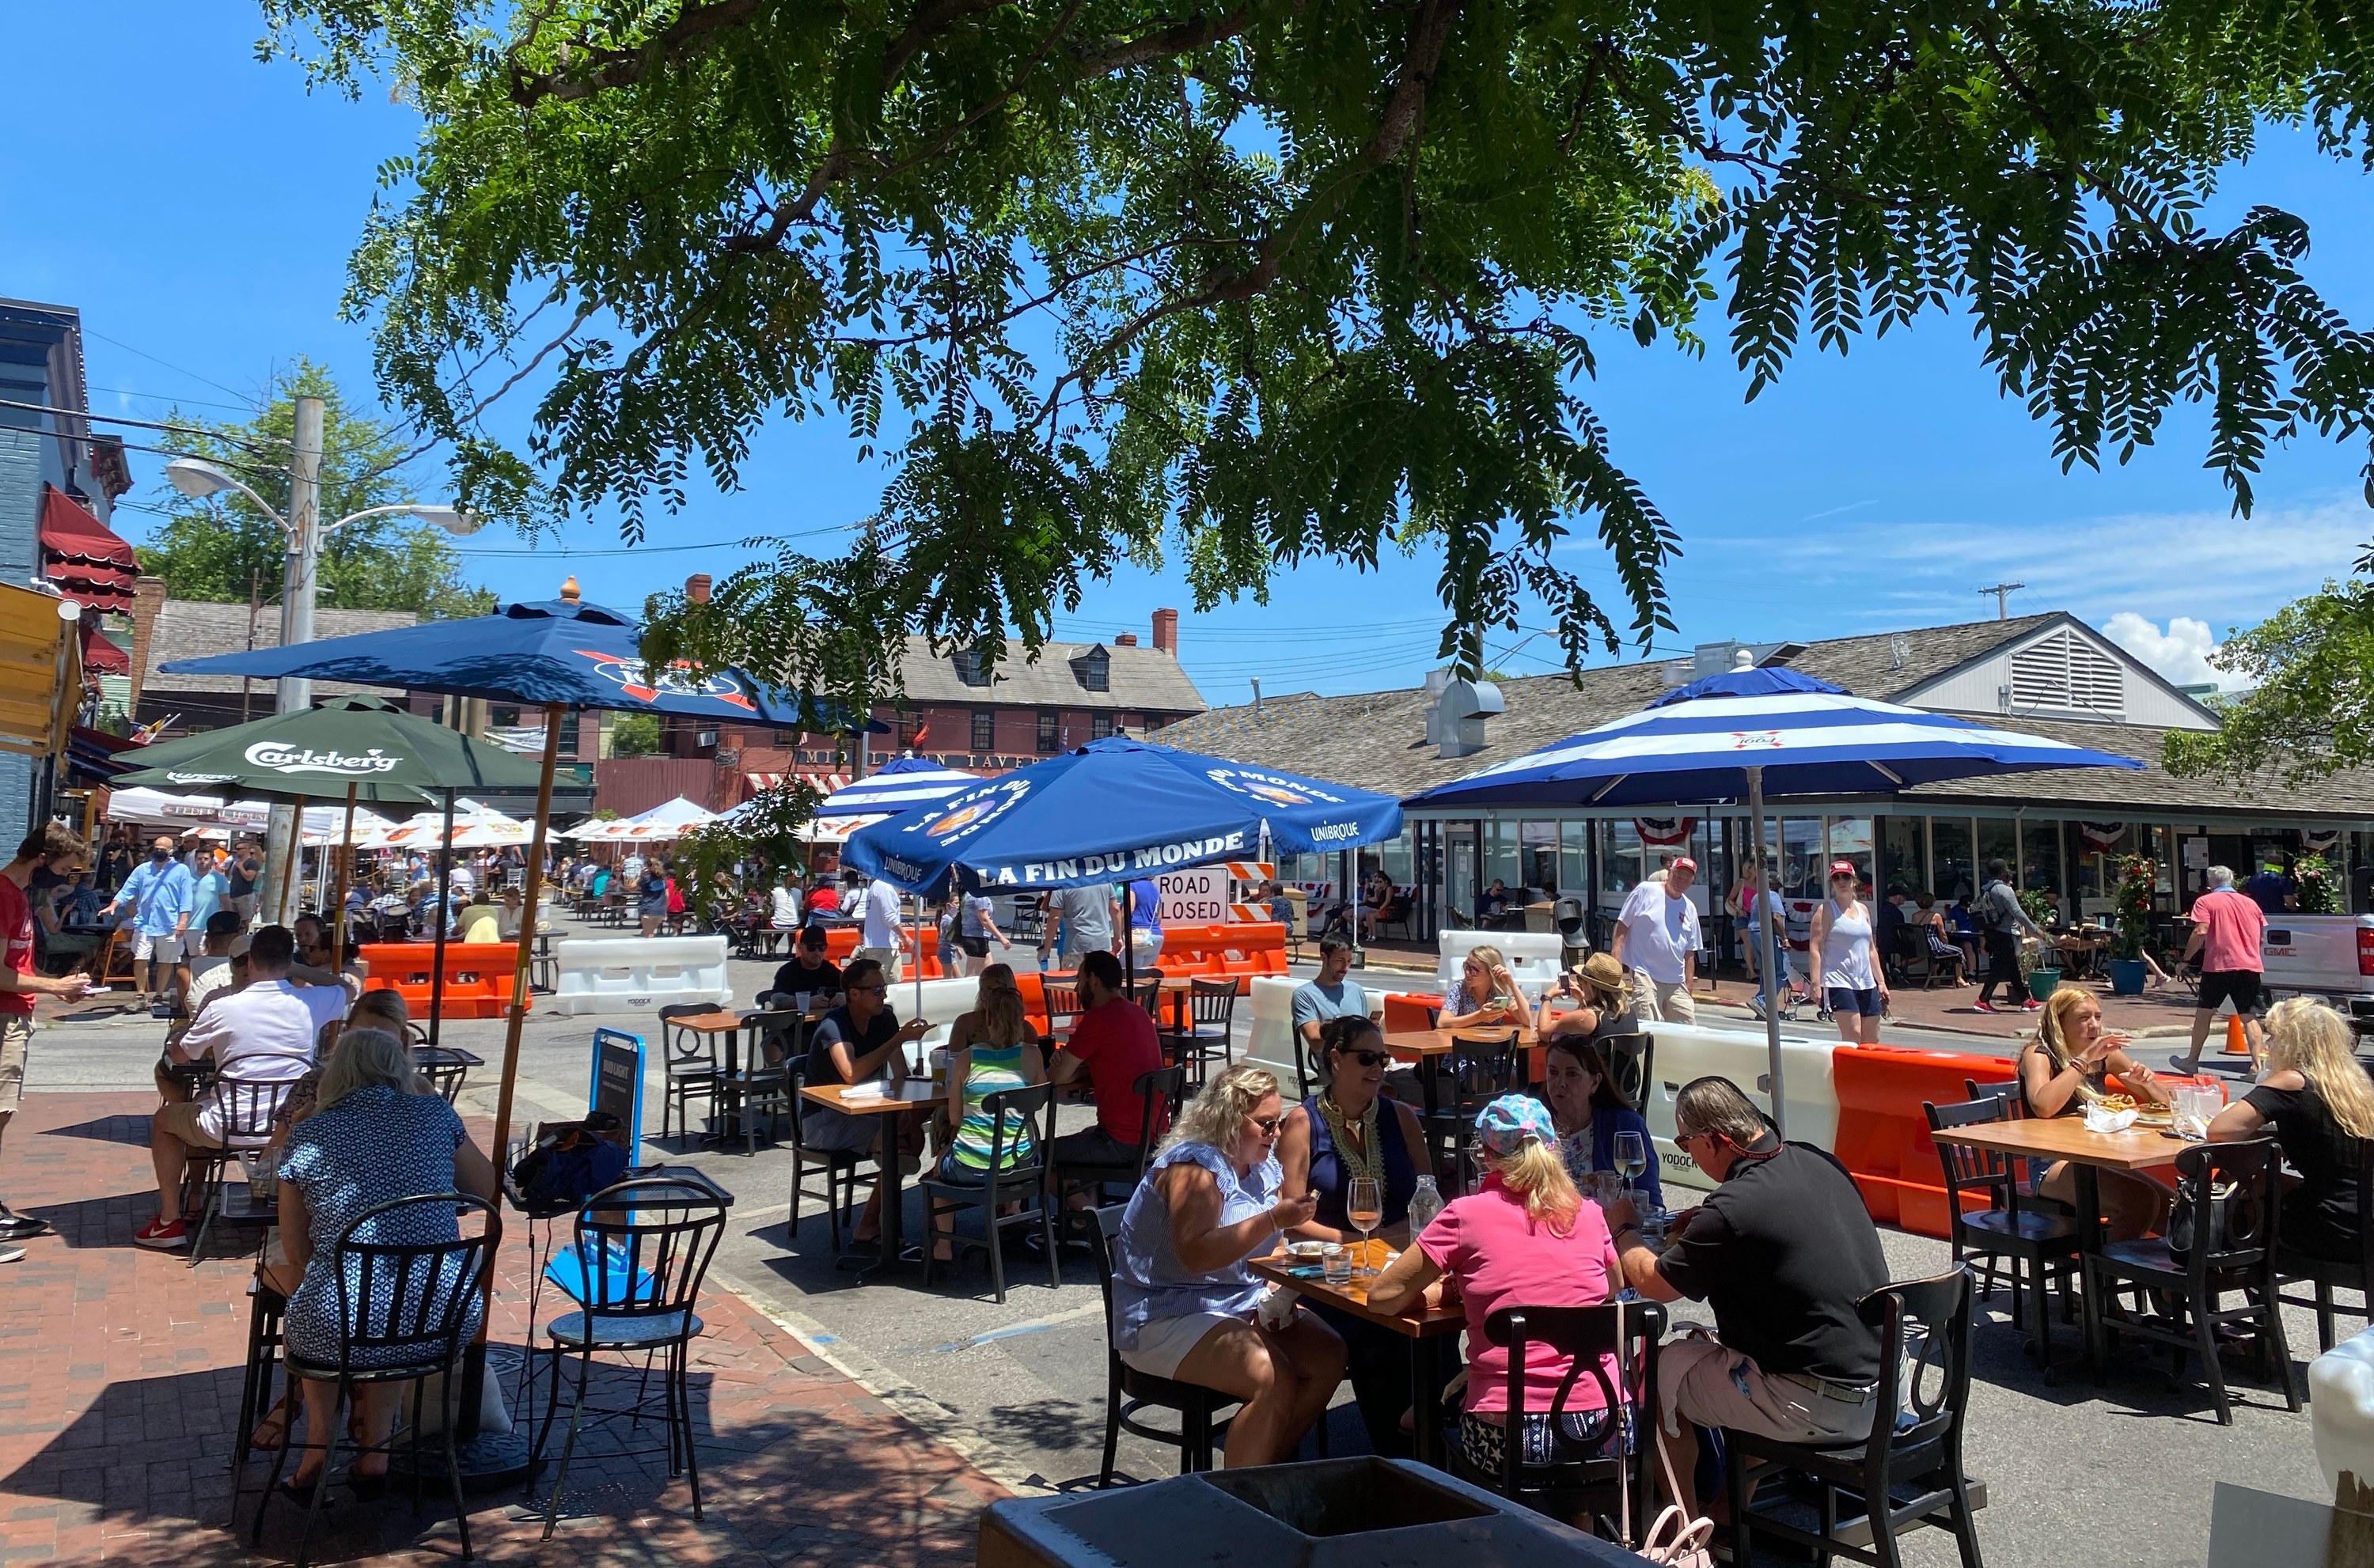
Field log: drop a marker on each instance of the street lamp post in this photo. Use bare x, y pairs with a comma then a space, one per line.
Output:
198, 479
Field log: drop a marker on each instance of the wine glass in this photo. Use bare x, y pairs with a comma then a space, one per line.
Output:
1631, 1158
1365, 1208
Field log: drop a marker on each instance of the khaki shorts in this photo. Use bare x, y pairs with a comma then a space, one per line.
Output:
1659, 1001
16, 1040
179, 1117
886, 956
1706, 1383
162, 948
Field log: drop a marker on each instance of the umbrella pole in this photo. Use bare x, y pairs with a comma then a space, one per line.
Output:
345, 869
1128, 947
444, 919
1768, 939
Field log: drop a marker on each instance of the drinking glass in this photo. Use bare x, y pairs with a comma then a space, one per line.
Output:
1631, 1157
1365, 1208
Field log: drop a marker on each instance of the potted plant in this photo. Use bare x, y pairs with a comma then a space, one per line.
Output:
2039, 967
2130, 914
2318, 895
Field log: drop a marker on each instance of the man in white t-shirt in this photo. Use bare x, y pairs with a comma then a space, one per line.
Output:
876, 907
1657, 942
263, 1033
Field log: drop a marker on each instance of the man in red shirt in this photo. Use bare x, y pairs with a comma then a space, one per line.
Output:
1114, 1042
56, 847
2227, 931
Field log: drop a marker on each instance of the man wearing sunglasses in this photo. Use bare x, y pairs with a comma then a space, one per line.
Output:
1783, 1250
862, 1042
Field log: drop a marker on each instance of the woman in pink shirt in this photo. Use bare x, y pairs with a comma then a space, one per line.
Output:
1526, 1238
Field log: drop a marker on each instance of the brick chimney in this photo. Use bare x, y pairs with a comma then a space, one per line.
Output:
148, 599
696, 588
1125, 639
1165, 631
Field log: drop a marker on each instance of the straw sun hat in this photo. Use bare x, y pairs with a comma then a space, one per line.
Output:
1600, 972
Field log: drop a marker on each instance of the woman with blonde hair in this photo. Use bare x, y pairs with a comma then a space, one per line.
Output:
1185, 1304
376, 1133
1525, 1237
2066, 1067
2317, 1099
1486, 994
993, 1048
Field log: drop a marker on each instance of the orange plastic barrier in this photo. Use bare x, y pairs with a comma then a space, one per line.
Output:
1242, 950
840, 942
1410, 1013
931, 960
1884, 1134
477, 976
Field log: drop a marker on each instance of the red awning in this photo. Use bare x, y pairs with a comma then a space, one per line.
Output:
87, 562
100, 656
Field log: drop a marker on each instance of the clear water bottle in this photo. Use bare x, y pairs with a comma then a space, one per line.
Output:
1424, 1205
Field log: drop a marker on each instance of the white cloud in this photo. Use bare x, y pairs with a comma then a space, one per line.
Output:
2182, 653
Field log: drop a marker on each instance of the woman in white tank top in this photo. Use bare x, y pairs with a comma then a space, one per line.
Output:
1852, 983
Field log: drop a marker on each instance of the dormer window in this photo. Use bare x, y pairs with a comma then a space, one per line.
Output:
1094, 669
970, 669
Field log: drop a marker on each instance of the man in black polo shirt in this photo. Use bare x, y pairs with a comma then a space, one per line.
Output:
1782, 1250
809, 972
860, 1042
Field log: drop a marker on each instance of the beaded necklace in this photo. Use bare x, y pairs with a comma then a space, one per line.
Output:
1361, 1158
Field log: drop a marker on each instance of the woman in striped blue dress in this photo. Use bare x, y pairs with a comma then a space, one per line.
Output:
993, 1048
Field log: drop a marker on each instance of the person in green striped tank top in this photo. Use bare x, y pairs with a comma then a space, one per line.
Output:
993, 1048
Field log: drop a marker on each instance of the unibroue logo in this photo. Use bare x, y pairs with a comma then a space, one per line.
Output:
970, 813
1270, 787
634, 677
282, 757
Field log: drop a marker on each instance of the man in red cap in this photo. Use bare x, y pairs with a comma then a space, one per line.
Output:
1657, 942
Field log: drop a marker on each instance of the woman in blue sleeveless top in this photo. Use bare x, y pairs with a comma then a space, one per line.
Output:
1347, 1131
1184, 1304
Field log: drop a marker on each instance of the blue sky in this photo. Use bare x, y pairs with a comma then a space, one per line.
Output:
198, 208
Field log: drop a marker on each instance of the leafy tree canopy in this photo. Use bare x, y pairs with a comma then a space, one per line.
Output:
2311, 711
215, 548
1245, 282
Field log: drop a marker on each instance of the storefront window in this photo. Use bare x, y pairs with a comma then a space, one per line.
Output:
1537, 856
2096, 848
1574, 860
1801, 856
1620, 869
1396, 857
1503, 862
1998, 840
2039, 860
1850, 841
1906, 866
1951, 874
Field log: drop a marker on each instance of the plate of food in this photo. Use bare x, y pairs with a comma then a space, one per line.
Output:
1306, 1251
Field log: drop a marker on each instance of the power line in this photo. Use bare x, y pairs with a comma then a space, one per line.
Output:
166, 363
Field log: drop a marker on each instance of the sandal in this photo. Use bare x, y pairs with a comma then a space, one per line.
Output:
276, 1422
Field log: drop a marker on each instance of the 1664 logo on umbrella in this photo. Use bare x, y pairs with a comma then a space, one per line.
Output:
968, 813
634, 677
1756, 740
282, 757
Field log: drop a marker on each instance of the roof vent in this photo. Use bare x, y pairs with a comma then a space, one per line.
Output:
1454, 724
1899, 651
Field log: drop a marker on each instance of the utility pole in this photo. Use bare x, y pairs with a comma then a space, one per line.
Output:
2002, 592
304, 529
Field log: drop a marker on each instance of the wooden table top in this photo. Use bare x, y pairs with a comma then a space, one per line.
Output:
718, 1023
2065, 1138
903, 1097
1436, 1042
1422, 1322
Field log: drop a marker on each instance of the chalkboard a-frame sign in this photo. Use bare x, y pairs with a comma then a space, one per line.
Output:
618, 1086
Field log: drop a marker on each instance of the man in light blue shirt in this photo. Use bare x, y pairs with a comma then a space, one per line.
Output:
160, 892
1333, 995
211, 889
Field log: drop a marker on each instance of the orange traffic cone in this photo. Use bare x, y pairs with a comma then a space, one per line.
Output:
2237, 1042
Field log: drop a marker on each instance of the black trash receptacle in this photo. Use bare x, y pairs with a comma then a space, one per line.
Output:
1362, 1513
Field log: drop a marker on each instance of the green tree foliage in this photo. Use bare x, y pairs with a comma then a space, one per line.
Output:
1248, 282
214, 548
2309, 711
635, 734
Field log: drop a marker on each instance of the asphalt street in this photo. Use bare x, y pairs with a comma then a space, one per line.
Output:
2123, 1472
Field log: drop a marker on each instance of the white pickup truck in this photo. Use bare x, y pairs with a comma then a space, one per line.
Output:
2327, 955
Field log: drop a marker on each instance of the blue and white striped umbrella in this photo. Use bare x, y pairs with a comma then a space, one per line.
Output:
1806, 736
899, 786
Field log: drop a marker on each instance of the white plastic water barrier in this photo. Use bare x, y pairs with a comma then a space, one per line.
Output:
1686, 1051
2340, 1410
1270, 1040
637, 973
1533, 956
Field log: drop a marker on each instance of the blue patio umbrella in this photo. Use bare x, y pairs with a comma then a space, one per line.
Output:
1752, 732
1114, 810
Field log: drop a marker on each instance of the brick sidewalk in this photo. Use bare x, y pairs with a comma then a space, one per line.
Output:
120, 1374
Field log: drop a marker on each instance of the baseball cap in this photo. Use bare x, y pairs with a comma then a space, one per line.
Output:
1844, 868
1504, 1126
1682, 864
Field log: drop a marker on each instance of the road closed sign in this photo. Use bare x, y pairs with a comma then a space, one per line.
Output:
1196, 897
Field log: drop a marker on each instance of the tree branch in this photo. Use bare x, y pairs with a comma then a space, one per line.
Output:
1178, 38
695, 29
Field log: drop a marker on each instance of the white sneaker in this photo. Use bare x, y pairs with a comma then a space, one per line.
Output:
12, 1255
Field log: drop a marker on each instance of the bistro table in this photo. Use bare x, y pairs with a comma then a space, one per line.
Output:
1430, 1329
2064, 1138
727, 1026
1423, 1045
904, 1095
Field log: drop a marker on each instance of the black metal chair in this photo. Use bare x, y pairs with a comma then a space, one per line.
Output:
267, 1310
654, 1236
2328, 1275
1584, 1335
247, 1107
1210, 1034
841, 1169
1477, 1070
2230, 1190
1147, 993
1632, 1062
1918, 1410
1163, 1086
1017, 1116
688, 1066
2005, 1230
1128, 1390
405, 1313
762, 1083
446, 1076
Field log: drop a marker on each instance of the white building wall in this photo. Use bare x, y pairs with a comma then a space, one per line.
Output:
1980, 689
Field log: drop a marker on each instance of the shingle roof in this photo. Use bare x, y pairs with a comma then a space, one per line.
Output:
1138, 679
1377, 740
193, 628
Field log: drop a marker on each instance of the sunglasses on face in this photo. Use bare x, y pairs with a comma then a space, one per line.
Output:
1366, 1059
870, 990
1266, 1125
